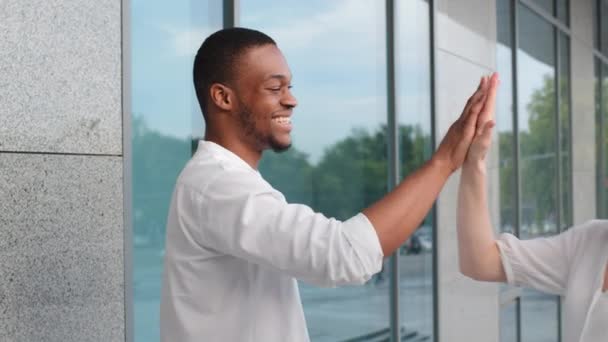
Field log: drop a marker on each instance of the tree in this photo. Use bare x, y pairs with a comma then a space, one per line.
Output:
157, 161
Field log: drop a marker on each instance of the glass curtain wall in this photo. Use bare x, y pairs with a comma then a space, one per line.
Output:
601, 110
507, 152
164, 39
413, 103
600, 31
339, 160
534, 128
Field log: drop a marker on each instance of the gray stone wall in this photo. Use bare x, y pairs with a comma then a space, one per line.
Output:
61, 170
465, 50
583, 111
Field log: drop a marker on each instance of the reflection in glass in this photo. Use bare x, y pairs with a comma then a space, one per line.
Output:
508, 322
537, 125
414, 120
599, 145
602, 136
165, 37
546, 5
563, 12
538, 163
539, 318
504, 118
338, 162
603, 26
565, 132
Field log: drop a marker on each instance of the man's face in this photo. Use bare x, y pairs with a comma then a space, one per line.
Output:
264, 99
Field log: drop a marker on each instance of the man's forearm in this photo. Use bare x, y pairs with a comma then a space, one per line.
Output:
478, 254
400, 212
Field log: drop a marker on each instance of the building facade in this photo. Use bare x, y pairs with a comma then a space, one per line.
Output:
99, 115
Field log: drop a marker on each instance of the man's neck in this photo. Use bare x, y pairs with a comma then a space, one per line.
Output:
240, 148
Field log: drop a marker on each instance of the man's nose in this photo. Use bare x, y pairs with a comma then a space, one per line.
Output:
289, 100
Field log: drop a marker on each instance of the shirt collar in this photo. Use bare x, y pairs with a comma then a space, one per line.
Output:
223, 153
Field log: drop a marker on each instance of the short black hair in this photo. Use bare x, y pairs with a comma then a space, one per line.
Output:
216, 59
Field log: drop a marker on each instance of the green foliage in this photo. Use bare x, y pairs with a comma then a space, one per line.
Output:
351, 174
157, 161
538, 162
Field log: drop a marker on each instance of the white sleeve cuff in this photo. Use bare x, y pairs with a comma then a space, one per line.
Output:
364, 239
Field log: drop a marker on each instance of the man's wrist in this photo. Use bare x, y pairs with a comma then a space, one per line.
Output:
443, 166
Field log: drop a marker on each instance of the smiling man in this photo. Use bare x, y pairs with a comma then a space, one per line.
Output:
235, 247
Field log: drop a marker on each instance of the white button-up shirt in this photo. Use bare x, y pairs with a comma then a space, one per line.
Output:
596, 329
570, 264
235, 248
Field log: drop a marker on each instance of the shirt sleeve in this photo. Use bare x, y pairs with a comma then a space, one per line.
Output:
540, 263
244, 216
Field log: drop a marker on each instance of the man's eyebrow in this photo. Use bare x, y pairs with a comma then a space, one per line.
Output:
279, 77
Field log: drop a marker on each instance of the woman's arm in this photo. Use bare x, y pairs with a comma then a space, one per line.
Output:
478, 252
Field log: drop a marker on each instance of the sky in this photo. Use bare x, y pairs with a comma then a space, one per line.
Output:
335, 49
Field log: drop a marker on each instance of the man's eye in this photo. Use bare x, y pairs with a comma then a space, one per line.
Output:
275, 89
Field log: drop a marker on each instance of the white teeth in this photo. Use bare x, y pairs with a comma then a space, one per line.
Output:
282, 120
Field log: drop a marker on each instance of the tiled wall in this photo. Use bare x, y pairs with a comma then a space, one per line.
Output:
61, 190
583, 111
465, 50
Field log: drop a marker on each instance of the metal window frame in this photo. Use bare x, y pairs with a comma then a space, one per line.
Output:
600, 62
516, 152
393, 159
559, 29
127, 167
433, 13
602, 162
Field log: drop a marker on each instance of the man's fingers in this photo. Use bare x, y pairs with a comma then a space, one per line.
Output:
471, 117
487, 113
475, 97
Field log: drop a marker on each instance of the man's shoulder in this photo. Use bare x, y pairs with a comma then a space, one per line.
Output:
203, 173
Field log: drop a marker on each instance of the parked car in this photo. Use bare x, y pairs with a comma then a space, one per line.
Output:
420, 241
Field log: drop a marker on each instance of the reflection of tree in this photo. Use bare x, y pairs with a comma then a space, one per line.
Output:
157, 161
602, 148
538, 157
290, 172
351, 174
538, 161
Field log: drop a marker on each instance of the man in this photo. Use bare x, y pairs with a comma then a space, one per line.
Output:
234, 246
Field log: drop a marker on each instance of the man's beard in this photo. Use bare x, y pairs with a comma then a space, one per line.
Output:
261, 140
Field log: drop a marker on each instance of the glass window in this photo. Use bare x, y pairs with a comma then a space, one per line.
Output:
539, 317
538, 144
338, 162
555, 8
504, 119
603, 85
601, 81
414, 119
563, 11
565, 133
603, 26
508, 322
546, 5
537, 124
596, 22
164, 39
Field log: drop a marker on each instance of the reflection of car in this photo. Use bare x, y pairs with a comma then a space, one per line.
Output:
426, 242
412, 245
420, 241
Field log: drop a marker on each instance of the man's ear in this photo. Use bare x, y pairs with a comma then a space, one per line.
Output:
221, 96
